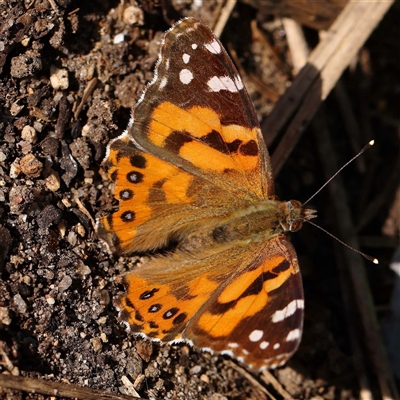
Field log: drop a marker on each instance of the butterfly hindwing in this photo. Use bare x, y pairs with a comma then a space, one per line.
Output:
255, 313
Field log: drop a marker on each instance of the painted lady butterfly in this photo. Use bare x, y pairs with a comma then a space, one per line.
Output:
194, 181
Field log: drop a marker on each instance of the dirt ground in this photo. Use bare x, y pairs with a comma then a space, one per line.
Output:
68, 81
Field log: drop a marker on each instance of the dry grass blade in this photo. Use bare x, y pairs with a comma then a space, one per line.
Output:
222, 17
267, 377
58, 389
250, 378
324, 67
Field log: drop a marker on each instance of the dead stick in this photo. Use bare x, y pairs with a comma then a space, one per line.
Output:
324, 67
58, 389
299, 51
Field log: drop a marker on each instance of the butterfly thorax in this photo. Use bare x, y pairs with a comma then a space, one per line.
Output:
256, 223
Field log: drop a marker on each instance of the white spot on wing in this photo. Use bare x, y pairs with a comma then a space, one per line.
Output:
228, 352
194, 46
163, 82
264, 345
300, 304
238, 82
233, 345
293, 335
256, 335
289, 310
213, 47
276, 346
185, 76
222, 83
167, 64
186, 58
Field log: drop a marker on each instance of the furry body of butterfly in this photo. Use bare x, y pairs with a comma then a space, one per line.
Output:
192, 175
259, 222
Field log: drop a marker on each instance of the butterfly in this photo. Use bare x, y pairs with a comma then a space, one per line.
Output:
194, 182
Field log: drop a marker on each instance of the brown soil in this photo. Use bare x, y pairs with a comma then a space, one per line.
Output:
57, 320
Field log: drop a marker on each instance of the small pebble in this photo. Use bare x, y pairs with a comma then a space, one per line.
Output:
53, 181
31, 166
15, 108
50, 300
96, 343
20, 304
25, 146
65, 283
119, 38
29, 134
72, 238
195, 370
38, 126
15, 169
133, 15
58, 78
83, 269
80, 230
5, 316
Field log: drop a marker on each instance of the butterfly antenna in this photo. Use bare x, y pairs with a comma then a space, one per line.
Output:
370, 144
373, 259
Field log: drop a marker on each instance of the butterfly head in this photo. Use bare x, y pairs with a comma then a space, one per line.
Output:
295, 215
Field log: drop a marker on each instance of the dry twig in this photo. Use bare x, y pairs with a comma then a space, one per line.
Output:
58, 389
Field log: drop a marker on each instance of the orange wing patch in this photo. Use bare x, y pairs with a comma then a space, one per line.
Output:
154, 310
142, 182
257, 316
198, 136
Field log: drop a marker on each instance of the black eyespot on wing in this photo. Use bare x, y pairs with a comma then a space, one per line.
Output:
128, 216
126, 194
153, 325
148, 294
180, 319
138, 161
154, 308
170, 313
134, 177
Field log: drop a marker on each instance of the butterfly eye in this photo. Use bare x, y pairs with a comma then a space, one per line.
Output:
295, 226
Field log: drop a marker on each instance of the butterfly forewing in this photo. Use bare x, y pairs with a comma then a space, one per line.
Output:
197, 114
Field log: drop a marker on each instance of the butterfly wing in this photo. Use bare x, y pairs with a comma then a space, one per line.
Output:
197, 114
247, 302
257, 317
159, 202
194, 153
